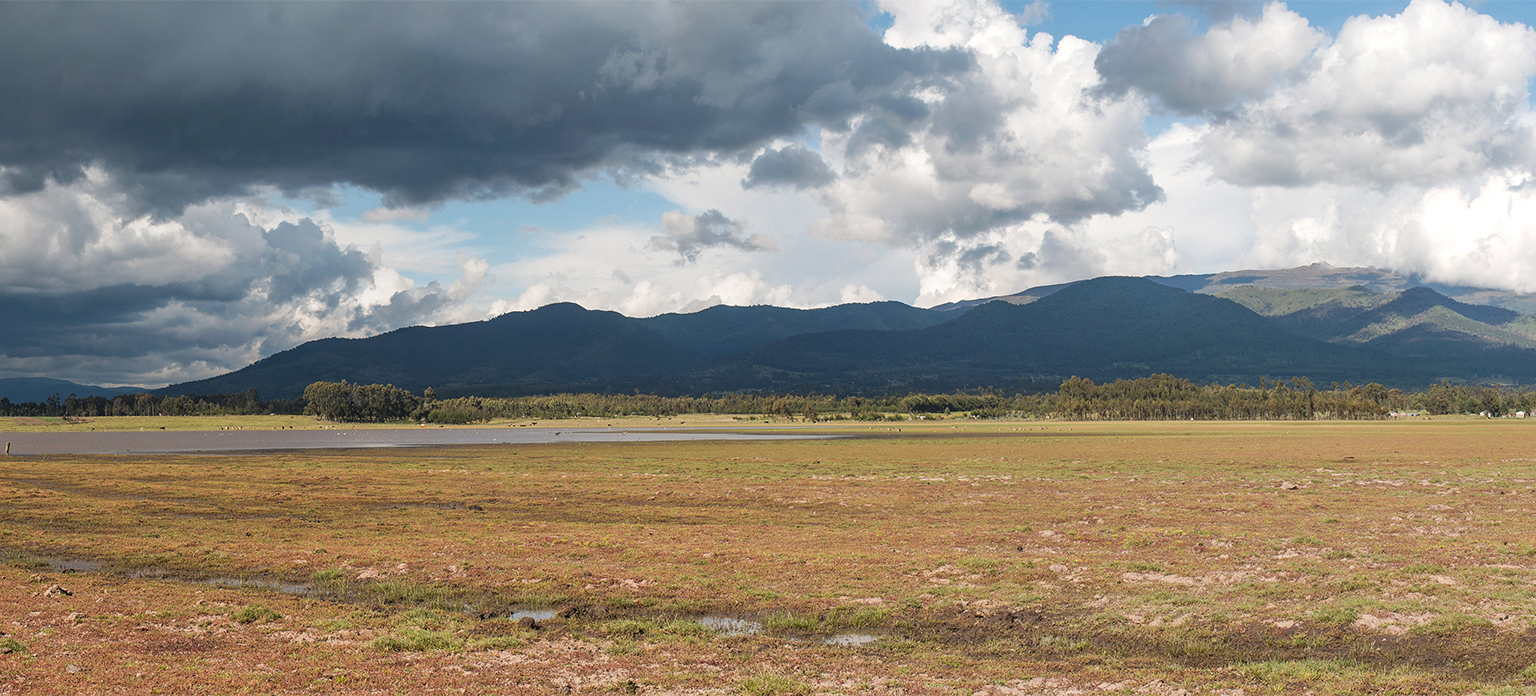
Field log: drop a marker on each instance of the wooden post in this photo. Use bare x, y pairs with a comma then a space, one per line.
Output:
7, 449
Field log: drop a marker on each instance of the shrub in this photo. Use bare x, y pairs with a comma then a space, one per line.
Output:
450, 417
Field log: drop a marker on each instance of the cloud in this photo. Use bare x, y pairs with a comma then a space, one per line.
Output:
691, 235
1038, 252
858, 293
388, 215
1024, 134
90, 293
1220, 10
1191, 73
1404, 142
422, 102
793, 166
1433, 94
1482, 235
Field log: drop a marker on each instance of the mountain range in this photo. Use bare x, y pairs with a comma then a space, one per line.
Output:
558, 347
38, 389
1328, 324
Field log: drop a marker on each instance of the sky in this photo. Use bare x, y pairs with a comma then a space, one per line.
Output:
186, 188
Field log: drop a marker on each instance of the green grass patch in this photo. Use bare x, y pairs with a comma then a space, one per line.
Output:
414, 639
1064, 644
255, 613
770, 684
1336, 615
11, 645
979, 564
679, 627
836, 619
409, 593
1288, 671
628, 627
623, 646
1451, 624
330, 575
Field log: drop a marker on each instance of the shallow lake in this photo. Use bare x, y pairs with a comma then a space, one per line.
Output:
210, 441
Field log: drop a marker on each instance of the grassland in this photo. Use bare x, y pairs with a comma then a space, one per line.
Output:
1011, 558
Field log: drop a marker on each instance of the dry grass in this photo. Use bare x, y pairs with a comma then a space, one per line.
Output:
1011, 558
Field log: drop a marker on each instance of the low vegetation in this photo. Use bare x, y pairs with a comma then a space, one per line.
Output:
952, 557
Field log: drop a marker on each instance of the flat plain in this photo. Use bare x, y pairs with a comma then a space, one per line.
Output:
960, 556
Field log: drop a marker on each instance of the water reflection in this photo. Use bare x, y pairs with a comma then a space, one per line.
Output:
850, 639
190, 442
730, 626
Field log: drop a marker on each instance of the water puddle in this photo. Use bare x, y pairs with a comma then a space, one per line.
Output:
725, 626
851, 639
69, 565
76, 565
283, 587
56, 565
215, 441
730, 626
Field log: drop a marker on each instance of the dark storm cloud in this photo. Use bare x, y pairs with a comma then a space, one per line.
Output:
423, 101
300, 261
795, 167
267, 298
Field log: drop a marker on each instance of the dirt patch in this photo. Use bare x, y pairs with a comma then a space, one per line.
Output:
171, 645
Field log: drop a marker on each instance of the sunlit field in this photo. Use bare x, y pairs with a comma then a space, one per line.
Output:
952, 557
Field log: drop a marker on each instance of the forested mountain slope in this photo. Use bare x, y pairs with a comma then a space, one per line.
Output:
1104, 329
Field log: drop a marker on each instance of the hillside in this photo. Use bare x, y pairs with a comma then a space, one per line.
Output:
1105, 328
559, 347
1416, 322
1317, 276
723, 330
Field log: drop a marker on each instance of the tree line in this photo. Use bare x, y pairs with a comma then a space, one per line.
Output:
1158, 397
144, 404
